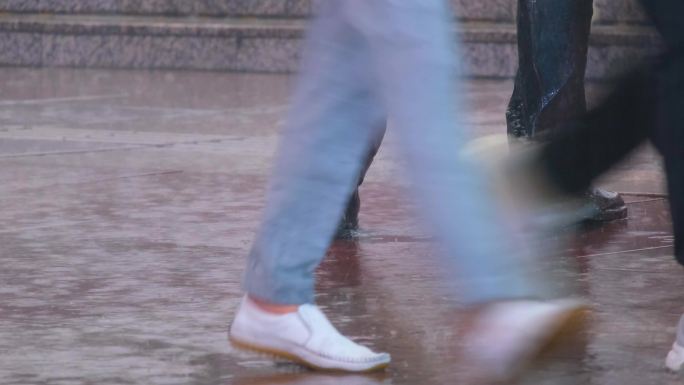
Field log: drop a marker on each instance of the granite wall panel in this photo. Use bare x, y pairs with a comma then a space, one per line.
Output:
122, 51
491, 10
20, 49
618, 11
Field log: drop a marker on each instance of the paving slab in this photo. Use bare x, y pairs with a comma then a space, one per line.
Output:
130, 199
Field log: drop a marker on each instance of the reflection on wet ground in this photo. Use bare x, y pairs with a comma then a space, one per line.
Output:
130, 200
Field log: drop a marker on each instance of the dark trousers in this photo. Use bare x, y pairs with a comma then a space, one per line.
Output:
553, 39
647, 104
350, 218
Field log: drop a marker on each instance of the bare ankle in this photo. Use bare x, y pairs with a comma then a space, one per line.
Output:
273, 308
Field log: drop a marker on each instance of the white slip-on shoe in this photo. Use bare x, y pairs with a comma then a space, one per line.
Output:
675, 358
305, 336
506, 337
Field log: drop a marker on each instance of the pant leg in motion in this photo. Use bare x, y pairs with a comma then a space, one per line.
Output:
412, 47
350, 219
323, 147
606, 135
647, 103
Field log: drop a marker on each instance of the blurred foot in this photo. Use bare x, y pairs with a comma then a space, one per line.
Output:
503, 338
521, 186
304, 336
675, 358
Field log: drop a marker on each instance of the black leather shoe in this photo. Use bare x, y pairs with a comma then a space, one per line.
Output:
606, 205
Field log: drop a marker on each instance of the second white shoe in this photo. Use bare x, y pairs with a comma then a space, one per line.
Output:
506, 336
305, 336
675, 358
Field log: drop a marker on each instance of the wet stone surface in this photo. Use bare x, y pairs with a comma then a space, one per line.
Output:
129, 201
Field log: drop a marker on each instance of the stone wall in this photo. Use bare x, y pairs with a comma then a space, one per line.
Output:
265, 35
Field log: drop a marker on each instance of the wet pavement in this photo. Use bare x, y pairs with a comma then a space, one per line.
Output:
129, 201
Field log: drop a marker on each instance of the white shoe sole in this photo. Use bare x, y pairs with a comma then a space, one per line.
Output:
310, 359
675, 358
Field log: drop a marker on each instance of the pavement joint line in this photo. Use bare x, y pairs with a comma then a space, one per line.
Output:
179, 110
154, 173
626, 251
61, 100
38, 227
644, 194
81, 182
630, 270
111, 149
111, 137
74, 152
647, 200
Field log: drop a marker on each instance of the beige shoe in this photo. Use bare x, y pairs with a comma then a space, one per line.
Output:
505, 337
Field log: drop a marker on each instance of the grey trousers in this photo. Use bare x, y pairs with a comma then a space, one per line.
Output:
365, 60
